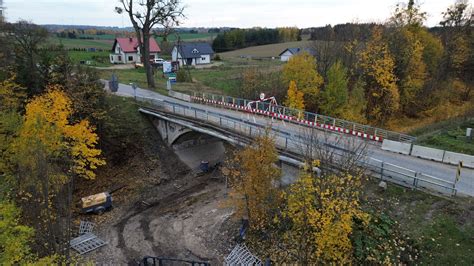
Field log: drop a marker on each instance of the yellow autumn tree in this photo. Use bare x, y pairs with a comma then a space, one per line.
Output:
253, 178
294, 98
302, 69
48, 152
381, 90
12, 95
47, 122
320, 211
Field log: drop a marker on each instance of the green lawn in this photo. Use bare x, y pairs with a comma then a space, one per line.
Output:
441, 229
137, 76
447, 135
83, 44
223, 79
96, 58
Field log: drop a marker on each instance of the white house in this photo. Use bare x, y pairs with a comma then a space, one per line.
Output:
126, 51
192, 53
288, 53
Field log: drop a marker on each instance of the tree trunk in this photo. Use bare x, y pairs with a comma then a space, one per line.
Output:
146, 58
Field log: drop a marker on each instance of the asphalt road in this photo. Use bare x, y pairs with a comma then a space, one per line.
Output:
442, 171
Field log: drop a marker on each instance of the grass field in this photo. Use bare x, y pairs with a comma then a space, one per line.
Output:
79, 43
226, 78
442, 229
223, 79
448, 135
96, 58
207, 37
269, 50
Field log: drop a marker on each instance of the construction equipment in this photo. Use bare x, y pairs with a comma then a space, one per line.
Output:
98, 203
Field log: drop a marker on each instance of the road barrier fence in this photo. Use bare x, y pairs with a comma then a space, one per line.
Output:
301, 117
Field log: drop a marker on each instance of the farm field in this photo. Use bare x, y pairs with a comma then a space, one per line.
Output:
269, 50
81, 43
193, 37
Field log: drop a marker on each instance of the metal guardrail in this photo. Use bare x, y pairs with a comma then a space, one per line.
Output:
292, 142
303, 117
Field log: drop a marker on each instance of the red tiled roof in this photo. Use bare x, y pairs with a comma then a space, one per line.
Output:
129, 45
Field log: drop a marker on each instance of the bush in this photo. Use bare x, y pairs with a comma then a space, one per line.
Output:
217, 57
183, 75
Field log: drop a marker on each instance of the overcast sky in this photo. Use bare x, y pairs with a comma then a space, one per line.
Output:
216, 13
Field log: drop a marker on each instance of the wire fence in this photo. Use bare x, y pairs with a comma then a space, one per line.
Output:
301, 117
293, 142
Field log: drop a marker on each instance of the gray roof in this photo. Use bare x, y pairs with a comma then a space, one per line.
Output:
195, 49
299, 50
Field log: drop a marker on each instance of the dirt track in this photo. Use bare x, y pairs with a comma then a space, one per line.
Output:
173, 213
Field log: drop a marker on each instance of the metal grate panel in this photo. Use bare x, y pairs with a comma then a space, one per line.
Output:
86, 243
240, 255
86, 227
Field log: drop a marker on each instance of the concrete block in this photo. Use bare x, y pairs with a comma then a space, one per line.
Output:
395, 146
427, 153
455, 158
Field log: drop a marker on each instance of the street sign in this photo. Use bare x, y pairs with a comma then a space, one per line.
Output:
167, 67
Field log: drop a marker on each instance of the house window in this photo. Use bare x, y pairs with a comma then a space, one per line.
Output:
203, 59
195, 51
120, 58
130, 58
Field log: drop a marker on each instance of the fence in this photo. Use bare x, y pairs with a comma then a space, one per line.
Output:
302, 117
291, 142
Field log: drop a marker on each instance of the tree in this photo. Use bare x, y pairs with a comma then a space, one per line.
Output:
458, 38
301, 68
48, 152
12, 95
408, 15
458, 16
82, 86
355, 108
377, 66
144, 15
335, 94
254, 178
14, 237
320, 211
250, 87
28, 39
295, 97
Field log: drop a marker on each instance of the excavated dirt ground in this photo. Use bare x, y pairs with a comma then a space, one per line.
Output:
164, 209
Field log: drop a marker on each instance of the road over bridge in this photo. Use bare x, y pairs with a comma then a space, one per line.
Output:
422, 173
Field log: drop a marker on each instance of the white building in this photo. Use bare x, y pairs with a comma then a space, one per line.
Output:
290, 52
192, 53
126, 51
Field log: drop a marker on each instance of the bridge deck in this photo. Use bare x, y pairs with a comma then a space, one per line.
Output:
445, 173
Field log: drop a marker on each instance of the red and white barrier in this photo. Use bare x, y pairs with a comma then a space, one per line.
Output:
290, 118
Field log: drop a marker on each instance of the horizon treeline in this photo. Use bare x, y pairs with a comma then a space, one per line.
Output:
241, 38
